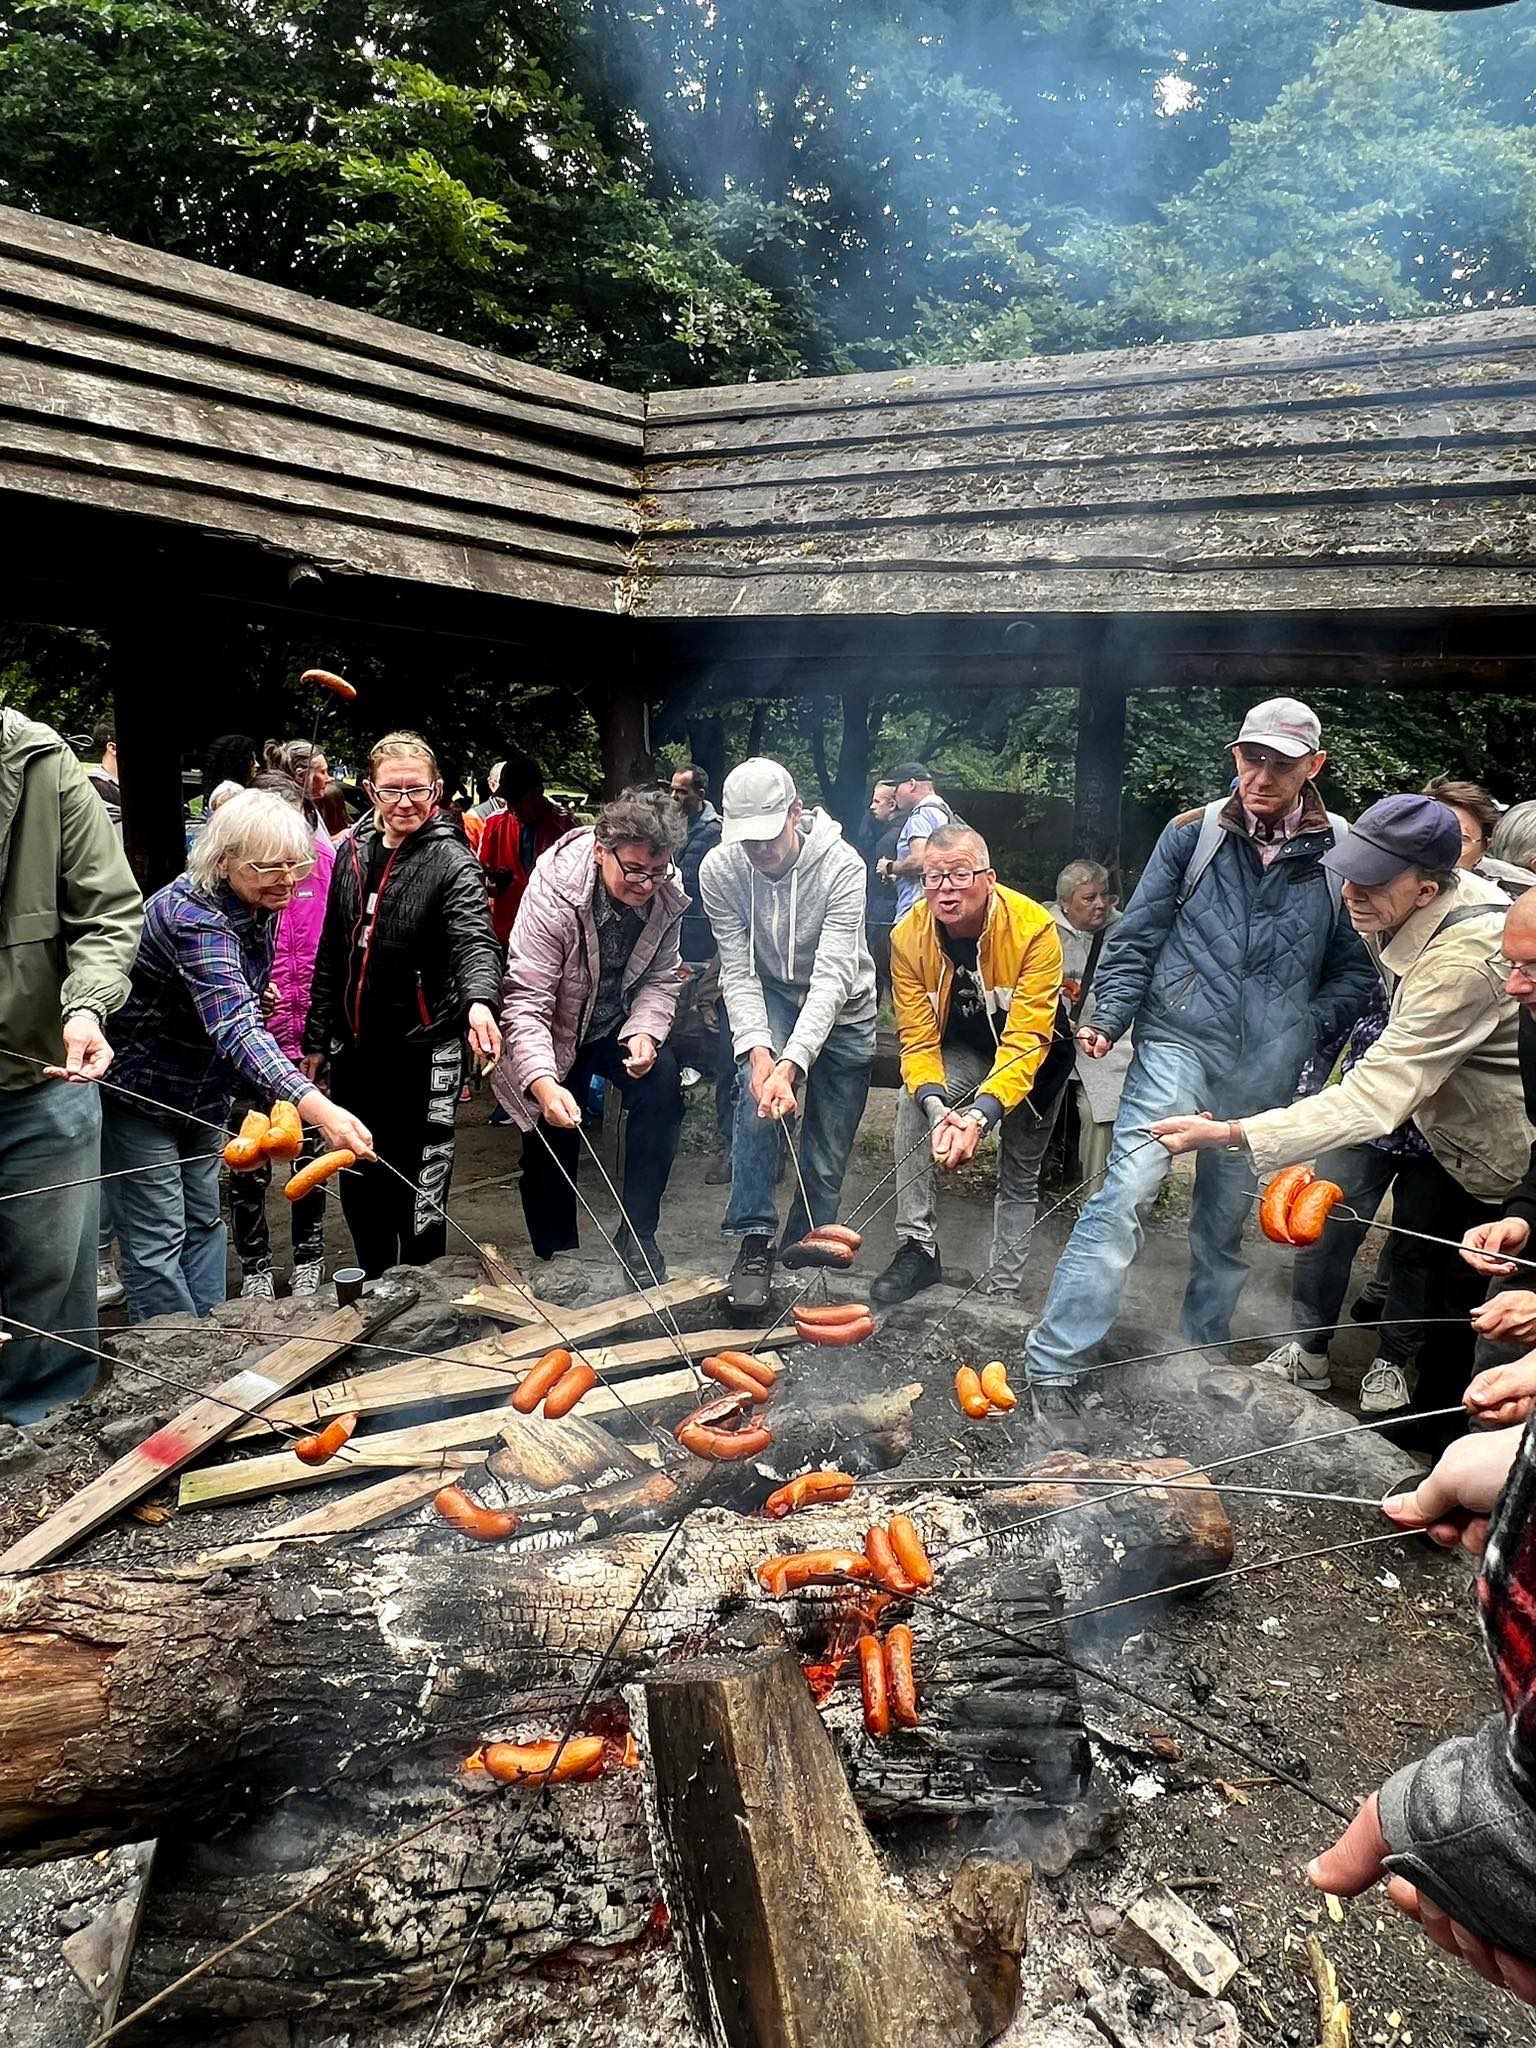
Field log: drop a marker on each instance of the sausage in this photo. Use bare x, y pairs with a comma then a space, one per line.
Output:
285, 1138
830, 1313
770, 1576
1276, 1200
573, 1383
318, 1170
538, 1380
973, 1402
337, 685
839, 1334
325, 1443
811, 1489
877, 1706
885, 1563
899, 1672
1311, 1209
910, 1554
722, 1446
780, 1575
994, 1384
812, 1250
521, 1763
486, 1525
762, 1370
838, 1233
244, 1149
727, 1374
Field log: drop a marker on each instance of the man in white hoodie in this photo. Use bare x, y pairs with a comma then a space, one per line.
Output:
784, 892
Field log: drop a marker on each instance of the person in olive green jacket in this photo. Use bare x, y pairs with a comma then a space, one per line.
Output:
69, 928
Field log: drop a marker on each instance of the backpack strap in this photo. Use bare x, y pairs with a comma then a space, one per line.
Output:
1207, 844
1465, 910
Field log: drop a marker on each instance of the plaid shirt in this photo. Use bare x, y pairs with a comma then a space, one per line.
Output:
191, 1033
1506, 1595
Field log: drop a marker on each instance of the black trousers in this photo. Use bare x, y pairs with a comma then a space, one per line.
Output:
408, 1100
654, 1105
1433, 1280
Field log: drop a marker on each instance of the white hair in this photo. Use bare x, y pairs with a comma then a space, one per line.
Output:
256, 825
1077, 874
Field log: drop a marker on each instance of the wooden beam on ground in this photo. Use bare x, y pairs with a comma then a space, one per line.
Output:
462, 1375
577, 1324
207, 1422
282, 1472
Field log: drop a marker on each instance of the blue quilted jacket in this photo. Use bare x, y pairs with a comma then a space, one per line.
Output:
1254, 969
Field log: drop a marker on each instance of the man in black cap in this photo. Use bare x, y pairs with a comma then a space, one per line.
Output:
1447, 1059
922, 811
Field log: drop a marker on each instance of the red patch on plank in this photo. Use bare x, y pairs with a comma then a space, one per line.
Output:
166, 1447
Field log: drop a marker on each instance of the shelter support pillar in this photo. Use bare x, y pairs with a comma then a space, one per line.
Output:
148, 729
624, 733
1099, 773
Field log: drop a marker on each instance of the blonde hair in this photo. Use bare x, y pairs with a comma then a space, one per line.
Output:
403, 746
256, 825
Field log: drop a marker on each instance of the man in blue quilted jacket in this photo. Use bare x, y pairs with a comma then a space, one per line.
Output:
1233, 960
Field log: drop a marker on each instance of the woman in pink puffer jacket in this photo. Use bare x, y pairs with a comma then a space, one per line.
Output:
293, 968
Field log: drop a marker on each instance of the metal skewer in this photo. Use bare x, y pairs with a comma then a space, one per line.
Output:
1425, 1236
87, 1180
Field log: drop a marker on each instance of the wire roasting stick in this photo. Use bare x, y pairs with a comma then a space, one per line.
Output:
1195, 1484
663, 1312
88, 1180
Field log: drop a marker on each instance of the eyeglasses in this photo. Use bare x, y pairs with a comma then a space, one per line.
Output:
653, 877
271, 870
935, 878
416, 793
1525, 969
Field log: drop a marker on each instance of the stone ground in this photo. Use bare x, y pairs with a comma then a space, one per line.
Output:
1337, 1670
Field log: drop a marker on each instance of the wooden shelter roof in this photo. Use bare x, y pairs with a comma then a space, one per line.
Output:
1383, 472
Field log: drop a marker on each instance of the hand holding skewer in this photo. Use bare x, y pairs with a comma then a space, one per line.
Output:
956, 1138
1510, 1316
484, 1032
1484, 1242
1504, 1395
87, 1054
1453, 1502
1198, 1133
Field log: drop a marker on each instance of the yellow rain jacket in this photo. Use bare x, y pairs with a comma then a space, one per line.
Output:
1019, 957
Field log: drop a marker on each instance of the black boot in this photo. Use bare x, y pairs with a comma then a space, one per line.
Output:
750, 1286
909, 1273
642, 1255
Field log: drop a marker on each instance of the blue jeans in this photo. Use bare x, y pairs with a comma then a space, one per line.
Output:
1165, 1079
170, 1235
48, 1244
834, 1094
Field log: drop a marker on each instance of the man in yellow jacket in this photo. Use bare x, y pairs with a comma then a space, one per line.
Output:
976, 981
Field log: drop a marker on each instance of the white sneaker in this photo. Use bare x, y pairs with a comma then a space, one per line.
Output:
1292, 1361
1384, 1389
258, 1287
109, 1288
308, 1278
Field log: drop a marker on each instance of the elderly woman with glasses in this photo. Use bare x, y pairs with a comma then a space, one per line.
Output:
591, 989
191, 1035
408, 968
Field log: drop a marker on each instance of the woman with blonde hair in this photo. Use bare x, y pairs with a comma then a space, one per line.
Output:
189, 1036
408, 968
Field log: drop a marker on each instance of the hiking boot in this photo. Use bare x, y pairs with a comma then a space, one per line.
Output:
718, 1173
750, 1286
1384, 1389
308, 1277
109, 1288
642, 1255
909, 1273
258, 1286
1063, 1400
1292, 1361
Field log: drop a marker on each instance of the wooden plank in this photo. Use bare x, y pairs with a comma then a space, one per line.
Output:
196, 1429
484, 1368
282, 1472
605, 1316
132, 268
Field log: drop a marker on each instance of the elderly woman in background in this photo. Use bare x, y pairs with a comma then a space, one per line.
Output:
408, 967
1084, 914
592, 988
191, 1035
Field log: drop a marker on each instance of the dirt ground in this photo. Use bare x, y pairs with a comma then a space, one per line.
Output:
1335, 1670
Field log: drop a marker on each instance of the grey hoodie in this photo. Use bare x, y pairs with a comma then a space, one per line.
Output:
801, 935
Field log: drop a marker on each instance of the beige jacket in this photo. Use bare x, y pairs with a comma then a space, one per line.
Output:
1447, 1057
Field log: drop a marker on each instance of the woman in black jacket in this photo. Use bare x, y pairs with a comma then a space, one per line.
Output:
408, 967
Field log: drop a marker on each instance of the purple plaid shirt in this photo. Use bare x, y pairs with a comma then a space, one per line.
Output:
191, 1033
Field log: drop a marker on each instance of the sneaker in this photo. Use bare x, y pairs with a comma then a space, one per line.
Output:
109, 1288
1292, 1361
909, 1273
718, 1173
643, 1257
689, 1077
258, 1286
750, 1285
308, 1278
1384, 1389
1063, 1400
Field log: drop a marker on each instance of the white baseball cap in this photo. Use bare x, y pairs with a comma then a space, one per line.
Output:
756, 801
1284, 723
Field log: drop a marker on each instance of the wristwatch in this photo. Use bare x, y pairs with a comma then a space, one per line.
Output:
978, 1116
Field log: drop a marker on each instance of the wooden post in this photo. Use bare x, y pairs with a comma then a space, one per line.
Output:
149, 758
1099, 774
624, 731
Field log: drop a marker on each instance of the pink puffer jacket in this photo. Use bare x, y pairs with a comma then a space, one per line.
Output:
552, 970
293, 956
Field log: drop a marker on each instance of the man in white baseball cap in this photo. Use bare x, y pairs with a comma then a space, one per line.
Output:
1285, 724
784, 892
